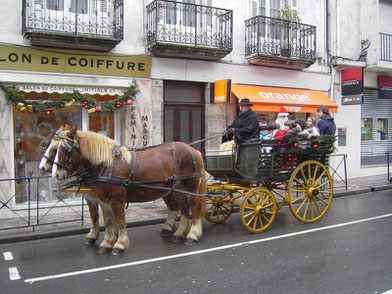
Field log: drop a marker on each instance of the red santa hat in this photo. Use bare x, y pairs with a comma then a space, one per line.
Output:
283, 111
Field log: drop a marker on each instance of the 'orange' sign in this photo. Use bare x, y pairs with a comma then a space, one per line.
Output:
222, 91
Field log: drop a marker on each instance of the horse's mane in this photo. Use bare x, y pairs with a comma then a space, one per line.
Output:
97, 148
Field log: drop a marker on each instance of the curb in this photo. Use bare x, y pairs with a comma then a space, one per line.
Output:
155, 221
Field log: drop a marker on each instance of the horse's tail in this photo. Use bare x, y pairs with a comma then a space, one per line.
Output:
203, 190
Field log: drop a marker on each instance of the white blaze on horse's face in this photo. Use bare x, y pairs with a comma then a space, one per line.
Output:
45, 165
58, 173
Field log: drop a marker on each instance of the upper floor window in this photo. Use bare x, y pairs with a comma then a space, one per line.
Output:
55, 5
270, 8
74, 6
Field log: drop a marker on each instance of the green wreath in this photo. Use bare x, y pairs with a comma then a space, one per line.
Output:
13, 97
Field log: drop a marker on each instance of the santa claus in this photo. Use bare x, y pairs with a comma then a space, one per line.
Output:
283, 116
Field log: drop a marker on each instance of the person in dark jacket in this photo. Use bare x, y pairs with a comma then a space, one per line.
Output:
246, 125
326, 124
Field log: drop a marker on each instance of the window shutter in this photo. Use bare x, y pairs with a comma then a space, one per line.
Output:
104, 5
253, 8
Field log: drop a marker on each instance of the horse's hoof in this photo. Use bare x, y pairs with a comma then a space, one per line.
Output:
177, 239
166, 233
189, 241
104, 250
117, 251
89, 241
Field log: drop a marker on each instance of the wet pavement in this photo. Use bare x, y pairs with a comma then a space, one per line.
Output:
155, 212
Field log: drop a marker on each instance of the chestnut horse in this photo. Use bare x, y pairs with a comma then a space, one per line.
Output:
45, 166
116, 175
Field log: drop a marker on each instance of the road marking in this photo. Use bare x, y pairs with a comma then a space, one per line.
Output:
8, 256
387, 292
14, 273
203, 251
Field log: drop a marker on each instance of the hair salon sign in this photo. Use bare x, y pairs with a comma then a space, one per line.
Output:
69, 61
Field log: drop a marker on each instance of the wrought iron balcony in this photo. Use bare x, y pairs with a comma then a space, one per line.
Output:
188, 30
386, 47
279, 43
77, 24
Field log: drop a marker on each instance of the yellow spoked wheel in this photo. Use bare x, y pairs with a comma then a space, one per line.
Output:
278, 189
310, 191
258, 210
218, 209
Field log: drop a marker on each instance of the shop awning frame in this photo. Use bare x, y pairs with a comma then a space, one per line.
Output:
271, 99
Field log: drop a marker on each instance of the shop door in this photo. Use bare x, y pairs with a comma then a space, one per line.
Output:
184, 113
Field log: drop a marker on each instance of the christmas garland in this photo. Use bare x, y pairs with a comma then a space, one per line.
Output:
13, 97
322, 141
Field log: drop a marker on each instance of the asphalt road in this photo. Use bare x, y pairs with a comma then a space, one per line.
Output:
348, 251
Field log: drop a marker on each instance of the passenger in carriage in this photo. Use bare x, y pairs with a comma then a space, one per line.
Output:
311, 127
245, 126
291, 127
326, 123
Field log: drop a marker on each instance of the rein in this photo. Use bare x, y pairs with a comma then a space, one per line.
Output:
205, 139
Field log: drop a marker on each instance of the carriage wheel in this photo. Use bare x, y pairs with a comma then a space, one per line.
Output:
218, 209
278, 189
310, 191
258, 210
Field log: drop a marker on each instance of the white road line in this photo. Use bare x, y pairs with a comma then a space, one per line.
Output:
387, 292
203, 251
8, 256
14, 273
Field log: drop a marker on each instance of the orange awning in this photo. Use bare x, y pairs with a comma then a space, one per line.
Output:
271, 99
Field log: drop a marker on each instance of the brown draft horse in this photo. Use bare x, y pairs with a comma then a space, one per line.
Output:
153, 173
45, 166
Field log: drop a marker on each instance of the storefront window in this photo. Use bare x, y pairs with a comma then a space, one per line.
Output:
382, 129
32, 134
366, 129
102, 123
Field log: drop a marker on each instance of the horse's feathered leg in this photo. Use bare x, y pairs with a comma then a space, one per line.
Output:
118, 207
172, 208
197, 205
93, 234
183, 228
110, 229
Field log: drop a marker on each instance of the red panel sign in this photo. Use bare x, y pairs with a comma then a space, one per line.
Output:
385, 87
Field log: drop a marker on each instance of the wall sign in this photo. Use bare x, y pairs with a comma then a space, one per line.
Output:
72, 61
221, 91
385, 87
352, 86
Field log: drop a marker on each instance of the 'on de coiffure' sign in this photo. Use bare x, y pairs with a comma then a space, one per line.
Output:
70, 61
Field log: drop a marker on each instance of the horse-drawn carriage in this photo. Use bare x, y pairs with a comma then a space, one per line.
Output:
115, 175
261, 177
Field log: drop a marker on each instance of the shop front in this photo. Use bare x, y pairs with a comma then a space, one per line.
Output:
267, 101
52, 85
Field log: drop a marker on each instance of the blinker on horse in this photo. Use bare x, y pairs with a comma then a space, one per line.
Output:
116, 176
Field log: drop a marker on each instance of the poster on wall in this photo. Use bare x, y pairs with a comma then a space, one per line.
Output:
385, 87
352, 86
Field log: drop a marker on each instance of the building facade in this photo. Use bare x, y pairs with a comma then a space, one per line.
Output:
175, 52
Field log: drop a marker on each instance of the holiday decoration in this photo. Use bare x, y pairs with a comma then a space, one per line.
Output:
13, 97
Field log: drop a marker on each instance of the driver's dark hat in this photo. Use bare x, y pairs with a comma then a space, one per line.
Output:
245, 101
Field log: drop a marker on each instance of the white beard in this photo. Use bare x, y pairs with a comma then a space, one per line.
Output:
281, 121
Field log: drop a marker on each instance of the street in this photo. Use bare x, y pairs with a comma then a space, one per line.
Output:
348, 251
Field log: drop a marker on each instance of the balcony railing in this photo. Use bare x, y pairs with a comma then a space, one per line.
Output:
277, 42
189, 30
386, 47
78, 24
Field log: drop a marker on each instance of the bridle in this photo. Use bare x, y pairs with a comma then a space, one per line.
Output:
56, 137
69, 151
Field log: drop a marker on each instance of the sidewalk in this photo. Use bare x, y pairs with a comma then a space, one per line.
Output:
139, 214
